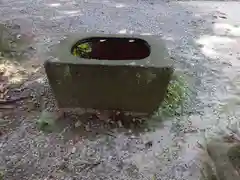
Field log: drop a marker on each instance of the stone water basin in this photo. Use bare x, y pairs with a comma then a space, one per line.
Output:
127, 73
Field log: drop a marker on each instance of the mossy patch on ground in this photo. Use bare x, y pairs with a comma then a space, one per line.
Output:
175, 98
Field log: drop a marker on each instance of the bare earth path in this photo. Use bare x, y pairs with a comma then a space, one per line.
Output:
202, 37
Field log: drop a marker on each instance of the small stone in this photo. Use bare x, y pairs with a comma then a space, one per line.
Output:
74, 149
120, 124
148, 144
223, 17
63, 165
78, 124
65, 158
87, 128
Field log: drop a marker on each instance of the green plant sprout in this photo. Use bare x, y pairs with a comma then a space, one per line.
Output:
46, 122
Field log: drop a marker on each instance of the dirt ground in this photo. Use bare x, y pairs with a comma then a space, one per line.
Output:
201, 36
73, 146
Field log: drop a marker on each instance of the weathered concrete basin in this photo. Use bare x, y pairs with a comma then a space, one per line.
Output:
119, 72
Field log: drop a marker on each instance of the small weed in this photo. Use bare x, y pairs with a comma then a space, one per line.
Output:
46, 121
82, 50
154, 177
1, 175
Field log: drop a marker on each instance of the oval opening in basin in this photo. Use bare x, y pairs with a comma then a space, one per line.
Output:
109, 48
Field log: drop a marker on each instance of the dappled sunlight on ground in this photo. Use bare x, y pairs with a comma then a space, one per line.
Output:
120, 5
226, 29
14, 72
54, 5
216, 47
77, 13
146, 34
123, 31
220, 44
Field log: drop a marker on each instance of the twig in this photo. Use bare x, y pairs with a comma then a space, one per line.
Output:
6, 107
19, 89
109, 134
5, 92
9, 101
89, 166
6, 123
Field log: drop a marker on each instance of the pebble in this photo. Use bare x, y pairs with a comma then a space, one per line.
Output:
78, 124
149, 144
120, 124
74, 149
87, 127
